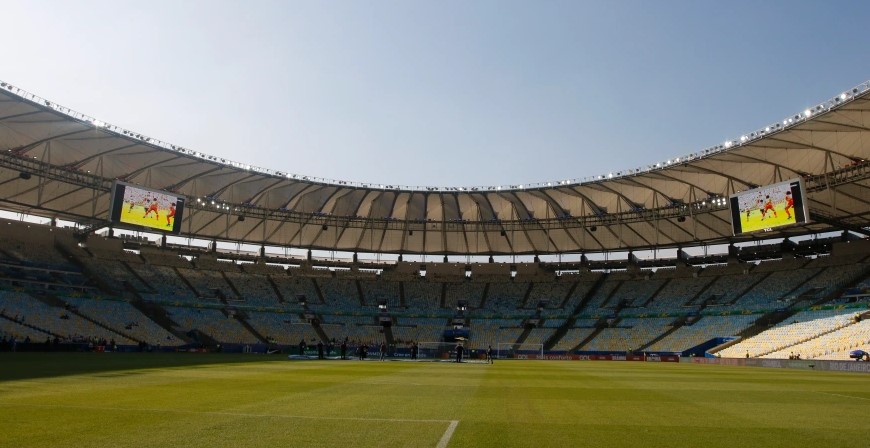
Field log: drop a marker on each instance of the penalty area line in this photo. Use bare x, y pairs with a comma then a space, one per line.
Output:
445, 439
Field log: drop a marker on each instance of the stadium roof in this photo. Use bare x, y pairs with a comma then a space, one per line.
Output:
59, 163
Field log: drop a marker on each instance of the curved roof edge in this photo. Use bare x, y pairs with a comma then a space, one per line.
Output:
826, 106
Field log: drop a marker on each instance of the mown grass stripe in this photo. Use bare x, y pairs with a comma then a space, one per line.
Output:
228, 414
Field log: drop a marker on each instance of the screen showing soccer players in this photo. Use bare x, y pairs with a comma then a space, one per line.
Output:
141, 207
768, 207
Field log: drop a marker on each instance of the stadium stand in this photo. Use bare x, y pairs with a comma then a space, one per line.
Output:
118, 289
27, 310
628, 334
706, 328
213, 322
282, 328
784, 289
802, 327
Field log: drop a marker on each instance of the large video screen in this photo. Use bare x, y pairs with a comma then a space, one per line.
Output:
765, 208
142, 207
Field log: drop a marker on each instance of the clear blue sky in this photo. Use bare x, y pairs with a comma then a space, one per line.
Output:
450, 93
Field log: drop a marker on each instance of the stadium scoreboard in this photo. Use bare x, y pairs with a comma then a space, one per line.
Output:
769, 207
145, 208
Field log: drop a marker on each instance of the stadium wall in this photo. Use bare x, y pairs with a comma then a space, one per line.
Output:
828, 366
568, 357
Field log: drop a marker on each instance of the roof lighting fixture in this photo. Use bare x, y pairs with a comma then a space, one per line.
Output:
807, 113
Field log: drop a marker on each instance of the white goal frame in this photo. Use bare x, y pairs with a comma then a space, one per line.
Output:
512, 350
435, 350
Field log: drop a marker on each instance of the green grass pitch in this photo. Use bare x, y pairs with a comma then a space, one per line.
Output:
755, 222
136, 215
212, 400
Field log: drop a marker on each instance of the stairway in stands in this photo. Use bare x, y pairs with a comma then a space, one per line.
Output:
156, 313
679, 323
54, 301
569, 323
242, 318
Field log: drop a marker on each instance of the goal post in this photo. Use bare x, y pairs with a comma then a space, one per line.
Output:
512, 350
435, 350
430, 350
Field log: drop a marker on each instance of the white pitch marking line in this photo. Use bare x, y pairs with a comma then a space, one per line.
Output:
846, 396
232, 414
445, 439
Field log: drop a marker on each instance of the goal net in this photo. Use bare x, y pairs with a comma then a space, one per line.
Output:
511, 350
436, 350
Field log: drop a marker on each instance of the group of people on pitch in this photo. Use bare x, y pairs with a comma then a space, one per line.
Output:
460, 350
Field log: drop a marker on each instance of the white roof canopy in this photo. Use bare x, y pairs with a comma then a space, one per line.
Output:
73, 161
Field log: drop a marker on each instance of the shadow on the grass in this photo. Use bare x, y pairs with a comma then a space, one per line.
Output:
20, 366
